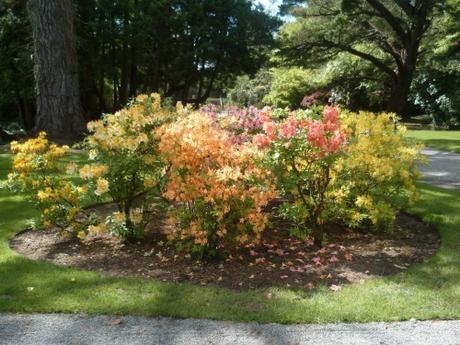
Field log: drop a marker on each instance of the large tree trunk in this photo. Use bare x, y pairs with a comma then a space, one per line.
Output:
398, 100
405, 75
55, 68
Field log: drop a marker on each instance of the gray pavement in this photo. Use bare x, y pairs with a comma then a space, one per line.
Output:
442, 170
55, 329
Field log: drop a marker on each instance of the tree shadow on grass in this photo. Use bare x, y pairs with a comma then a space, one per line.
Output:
58, 289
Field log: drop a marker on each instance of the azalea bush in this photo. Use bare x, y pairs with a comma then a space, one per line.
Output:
217, 191
352, 168
39, 173
302, 151
376, 178
125, 166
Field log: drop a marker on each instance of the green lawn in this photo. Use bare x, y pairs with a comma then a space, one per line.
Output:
427, 291
443, 140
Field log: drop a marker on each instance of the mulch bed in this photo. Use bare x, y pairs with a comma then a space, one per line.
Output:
280, 260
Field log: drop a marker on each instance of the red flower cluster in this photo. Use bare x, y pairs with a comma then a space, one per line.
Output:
323, 134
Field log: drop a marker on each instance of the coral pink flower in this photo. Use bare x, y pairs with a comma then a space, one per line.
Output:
331, 126
265, 114
316, 133
336, 141
261, 141
289, 128
331, 114
270, 129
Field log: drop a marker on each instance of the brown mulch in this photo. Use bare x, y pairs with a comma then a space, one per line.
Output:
280, 260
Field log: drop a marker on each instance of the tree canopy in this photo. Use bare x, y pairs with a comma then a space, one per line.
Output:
385, 33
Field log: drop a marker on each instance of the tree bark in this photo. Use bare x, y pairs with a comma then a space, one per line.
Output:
397, 102
56, 69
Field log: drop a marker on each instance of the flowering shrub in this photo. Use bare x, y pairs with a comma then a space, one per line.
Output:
376, 178
217, 190
216, 171
37, 172
125, 165
357, 170
301, 152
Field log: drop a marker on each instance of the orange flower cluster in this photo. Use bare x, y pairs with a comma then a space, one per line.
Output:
218, 190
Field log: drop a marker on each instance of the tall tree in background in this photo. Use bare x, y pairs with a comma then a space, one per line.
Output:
56, 69
386, 33
188, 50
16, 75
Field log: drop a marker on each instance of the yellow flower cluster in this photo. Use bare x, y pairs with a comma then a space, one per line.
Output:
94, 171
211, 180
35, 154
102, 186
128, 128
377, 175
36, 172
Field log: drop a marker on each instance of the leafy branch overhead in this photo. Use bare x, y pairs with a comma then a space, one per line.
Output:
385, 33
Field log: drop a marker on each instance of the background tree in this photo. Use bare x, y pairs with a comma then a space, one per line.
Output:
183, 49
385, 33
55, 69
16, 75
437, 82
186, 50
249, 90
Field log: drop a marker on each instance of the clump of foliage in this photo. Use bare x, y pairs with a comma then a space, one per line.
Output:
216, 189
249, 91
125, 164
38, 173
289, 86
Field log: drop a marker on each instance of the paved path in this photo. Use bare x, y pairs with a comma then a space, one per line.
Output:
443, 169
101, 330
55, 329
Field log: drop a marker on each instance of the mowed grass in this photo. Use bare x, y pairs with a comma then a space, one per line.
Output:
443, 140
427, 291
